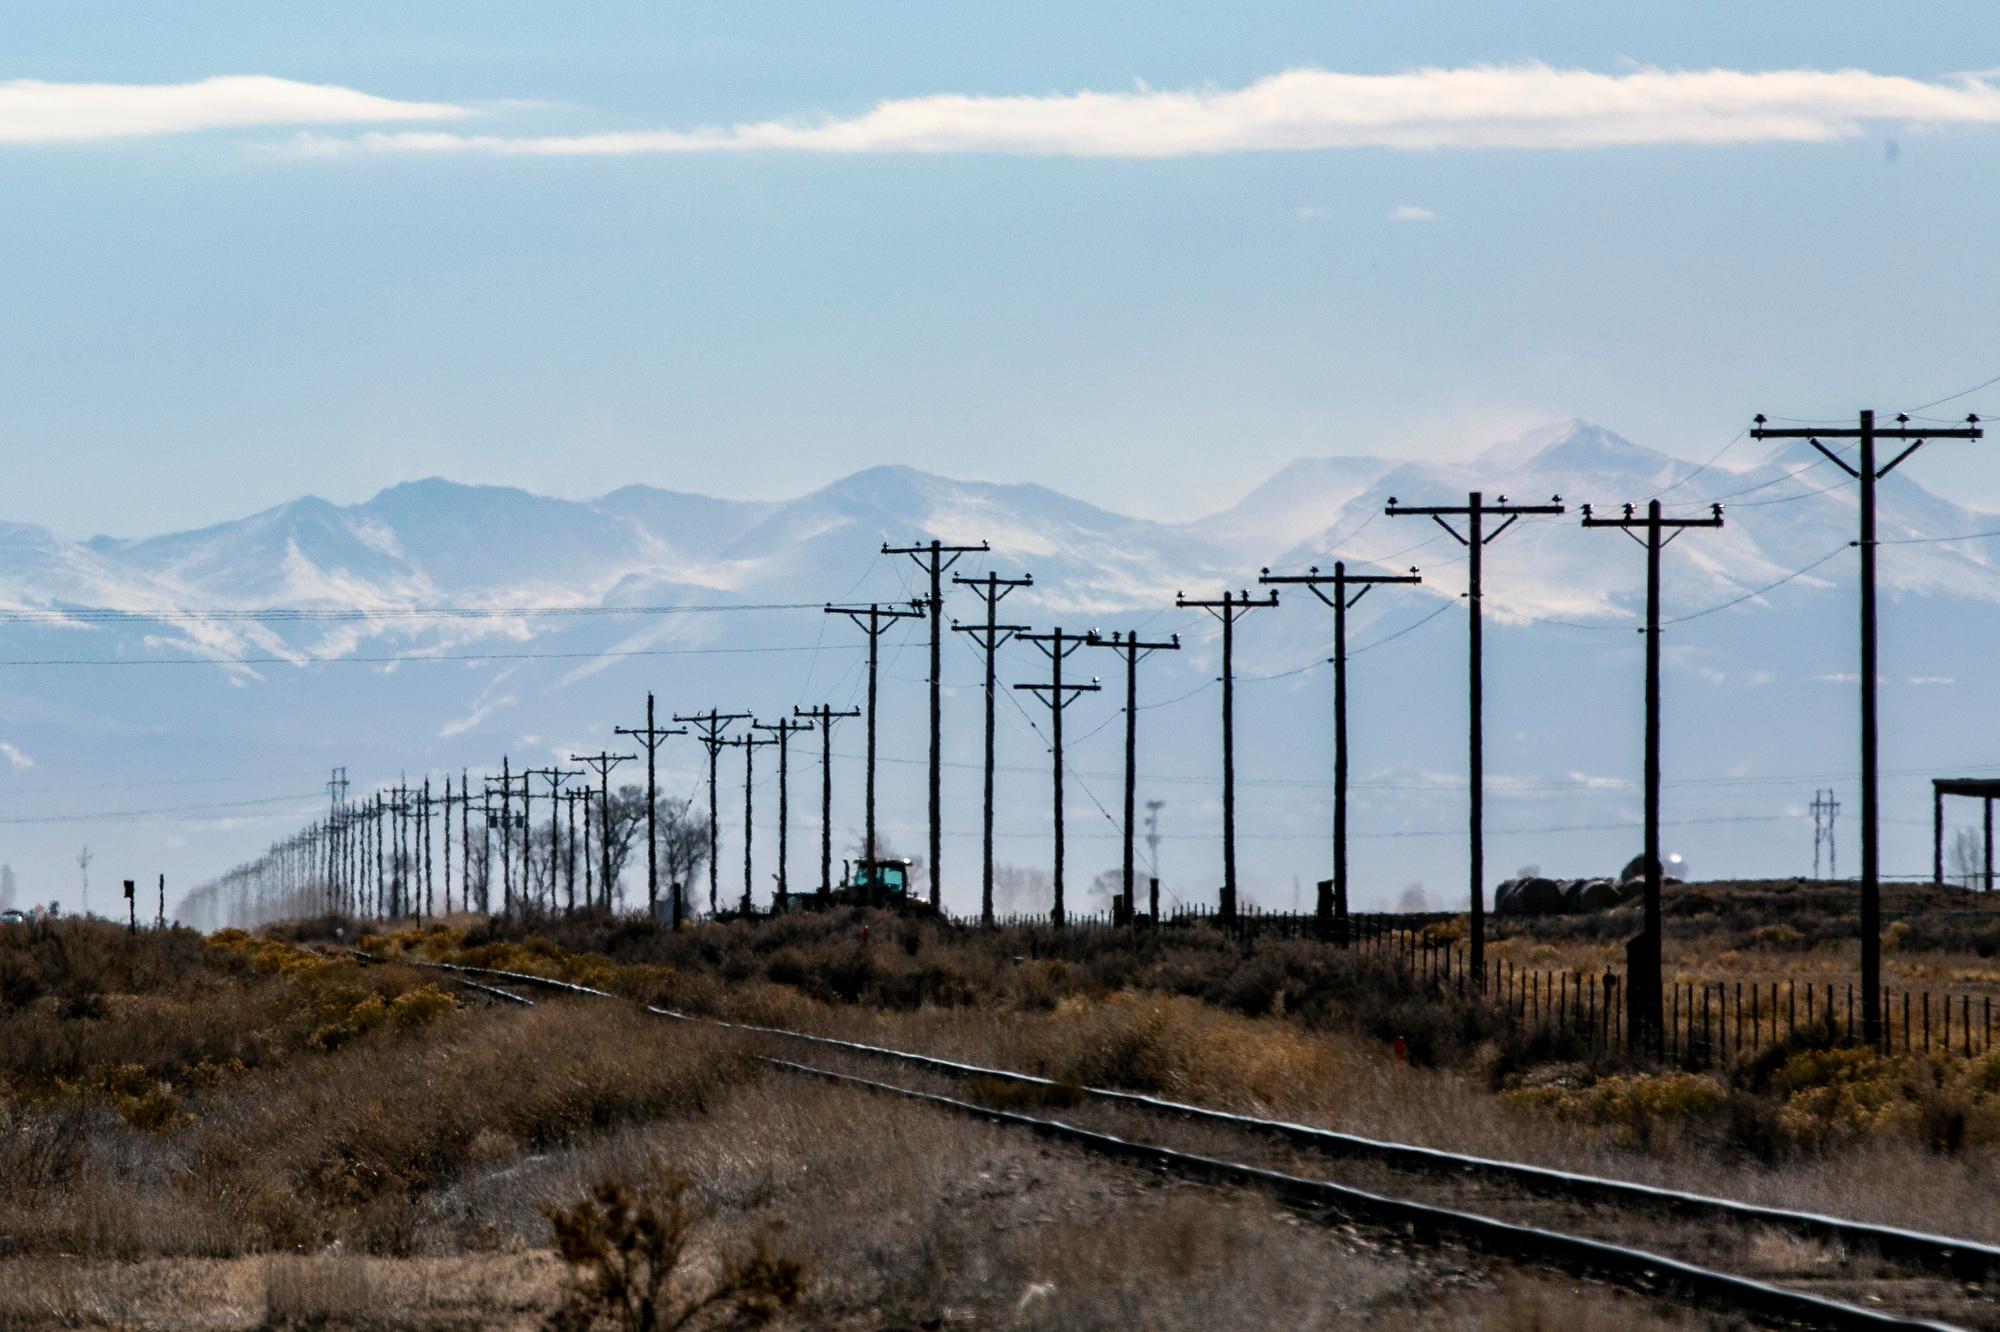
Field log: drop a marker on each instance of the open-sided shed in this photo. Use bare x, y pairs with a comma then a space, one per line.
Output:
1983, 789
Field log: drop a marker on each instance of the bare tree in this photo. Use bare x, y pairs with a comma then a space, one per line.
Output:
682, 838
1968, 857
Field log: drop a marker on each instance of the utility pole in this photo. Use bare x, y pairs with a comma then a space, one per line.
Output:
465, 842
603, 763
556, 777
1644, 989
1868, 434
447, 800
709, 728
784, 729
430, 880
652, 737
1824, 806
1232, 607
989, 635
874, 620
1133, 650
935, 558
570, 798
750, 744
824, 717
1475, 539
1057, 646
507, 779
1332, 908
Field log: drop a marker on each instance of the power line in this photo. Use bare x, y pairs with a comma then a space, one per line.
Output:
300, 615
1953, 397
381, 659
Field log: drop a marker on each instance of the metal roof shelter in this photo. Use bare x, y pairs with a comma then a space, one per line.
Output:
1983, 789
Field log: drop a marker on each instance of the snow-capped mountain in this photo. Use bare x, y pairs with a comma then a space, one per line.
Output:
374, 679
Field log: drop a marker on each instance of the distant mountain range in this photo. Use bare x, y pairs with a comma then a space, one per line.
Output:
1757, 710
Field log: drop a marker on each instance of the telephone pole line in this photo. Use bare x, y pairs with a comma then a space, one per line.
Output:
709, 728
1057, 645
1644, 990
935, 558
1133, 650
603, 764
749, 744
990, 635
825, 717
652, 737
784, 729
874, 620
1868, 434
1231, 608
1331, 909
1475, 539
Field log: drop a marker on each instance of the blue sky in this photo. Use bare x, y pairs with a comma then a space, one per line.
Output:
199, 318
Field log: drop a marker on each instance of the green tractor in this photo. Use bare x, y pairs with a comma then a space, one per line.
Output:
881, 882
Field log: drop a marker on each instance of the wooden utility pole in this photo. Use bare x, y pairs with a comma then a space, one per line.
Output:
652, 737
1475, 540
1057, 645
1645, 1014
1228, 610
603, 764
709, 728
749, 744
874, 620
555, 778
825, 717
989, 635
1133, 650
784, 729
1868, 434
507, 780
935, 558
1332, 908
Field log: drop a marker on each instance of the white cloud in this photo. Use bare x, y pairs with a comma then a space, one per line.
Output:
35, 112
1310, 213
15, 756
1411, 213
1483, 106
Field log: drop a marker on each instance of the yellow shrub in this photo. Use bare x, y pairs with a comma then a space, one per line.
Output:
420, 1007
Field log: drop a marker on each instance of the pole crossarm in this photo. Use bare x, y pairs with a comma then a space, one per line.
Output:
1903, 432
1331, 909
1475, 511
1867, 434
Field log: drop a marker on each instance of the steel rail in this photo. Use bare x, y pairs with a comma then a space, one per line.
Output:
1636, 1269
1963, 1259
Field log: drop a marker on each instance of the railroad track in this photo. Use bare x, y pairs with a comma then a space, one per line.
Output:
1941, 1276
